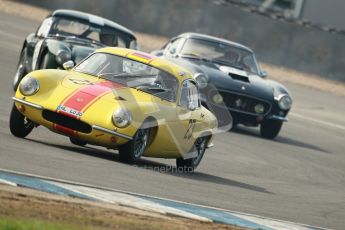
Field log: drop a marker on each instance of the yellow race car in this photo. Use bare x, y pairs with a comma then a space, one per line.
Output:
121, 99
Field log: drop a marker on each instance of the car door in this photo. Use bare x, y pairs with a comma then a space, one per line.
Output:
190, 116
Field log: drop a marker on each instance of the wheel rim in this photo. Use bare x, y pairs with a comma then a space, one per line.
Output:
200, 146
140, 142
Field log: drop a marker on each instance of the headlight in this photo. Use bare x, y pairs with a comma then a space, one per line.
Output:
63, 56
217, 98
29, 86
259, 108
201, 79
284, 102
122, 118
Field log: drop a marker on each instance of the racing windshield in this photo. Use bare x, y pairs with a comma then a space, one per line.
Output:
220, 53
79, 29
132, 74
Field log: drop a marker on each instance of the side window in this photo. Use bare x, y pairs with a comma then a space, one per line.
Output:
190, 95
172, 48
44, 28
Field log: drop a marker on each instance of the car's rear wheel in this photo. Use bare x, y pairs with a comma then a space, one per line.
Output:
135, 148
20, 126
78, 142
189, 165
270, 128
21, 71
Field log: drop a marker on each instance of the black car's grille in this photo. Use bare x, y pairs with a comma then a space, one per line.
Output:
67, 122
243, 103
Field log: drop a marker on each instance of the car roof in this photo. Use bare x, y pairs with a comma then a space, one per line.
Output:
214, 39
92, 19
179, 72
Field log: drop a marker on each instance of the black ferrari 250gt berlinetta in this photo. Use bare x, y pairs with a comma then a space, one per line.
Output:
69, 35
233, 70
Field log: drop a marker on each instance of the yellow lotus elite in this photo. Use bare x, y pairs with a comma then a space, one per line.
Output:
120, 99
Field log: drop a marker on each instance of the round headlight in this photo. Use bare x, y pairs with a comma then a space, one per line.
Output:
63, 56
29, 86
217, 98
259, 108
284, 102
201, 79
122, 118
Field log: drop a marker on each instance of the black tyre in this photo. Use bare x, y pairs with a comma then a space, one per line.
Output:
78, 142
135, 148
270, 128
21, 70
20, 126
189, 165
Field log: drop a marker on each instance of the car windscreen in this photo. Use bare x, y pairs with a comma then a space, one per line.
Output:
220, 53
132, 74
83, 30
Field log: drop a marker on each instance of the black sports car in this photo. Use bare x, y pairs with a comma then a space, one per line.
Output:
69, 35
241, 84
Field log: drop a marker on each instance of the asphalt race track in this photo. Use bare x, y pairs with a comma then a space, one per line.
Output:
299, 177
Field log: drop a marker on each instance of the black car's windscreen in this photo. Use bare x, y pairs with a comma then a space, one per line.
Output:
80, 29
132, 74
220, 53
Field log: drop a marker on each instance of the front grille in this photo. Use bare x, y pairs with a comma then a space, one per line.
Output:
67, 122
243, 103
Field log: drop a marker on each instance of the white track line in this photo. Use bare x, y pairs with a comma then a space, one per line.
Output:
272, 223
129, 201
148, 196
318, 121
7, 182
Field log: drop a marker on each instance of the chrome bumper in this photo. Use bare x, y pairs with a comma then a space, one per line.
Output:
99, 128
28, 103
279, 118
95, 127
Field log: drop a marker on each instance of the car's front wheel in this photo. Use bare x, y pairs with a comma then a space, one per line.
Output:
135, 148
189, 165
78, 142
21, 71
20, 126
270, 128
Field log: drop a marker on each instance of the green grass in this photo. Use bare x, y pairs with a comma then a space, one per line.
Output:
27, 224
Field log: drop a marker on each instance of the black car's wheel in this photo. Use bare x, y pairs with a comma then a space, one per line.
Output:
21, 71
20, 126
189, 165
270, 128
78, 142
135, 148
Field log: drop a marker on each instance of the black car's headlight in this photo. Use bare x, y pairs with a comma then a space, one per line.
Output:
201, 79
63, 56
122, 118
29, 86
284, 101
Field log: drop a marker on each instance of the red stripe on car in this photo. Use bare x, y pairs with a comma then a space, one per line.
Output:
143, 55
83, 98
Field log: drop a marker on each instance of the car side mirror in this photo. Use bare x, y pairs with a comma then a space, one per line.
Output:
172, 51
263, 74
68, 65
